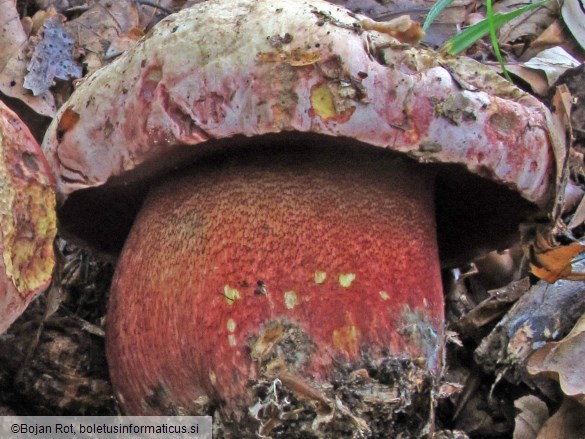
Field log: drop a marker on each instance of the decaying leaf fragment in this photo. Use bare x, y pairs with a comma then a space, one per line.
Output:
100, 26
550, 259
27, 218
567, 423
532, 413
563, 361
541, 315
572, 12
551, 263
52, 58
13, 61
402, 28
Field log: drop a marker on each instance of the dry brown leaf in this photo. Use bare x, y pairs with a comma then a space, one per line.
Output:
528, 25
13, 61
96, 29
532, 414
561, 136
567, 423
550, 260
12, 31
552, 36
554, 263
578, 215
564, 361
574, 80
535, 78
39, 18
124, 42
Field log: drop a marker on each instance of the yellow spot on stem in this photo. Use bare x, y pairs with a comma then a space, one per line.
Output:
290, 299
322, 102
346, 279
346, 339
232, 340
212, 378
384, 295
231, 325
230, 294
320, 277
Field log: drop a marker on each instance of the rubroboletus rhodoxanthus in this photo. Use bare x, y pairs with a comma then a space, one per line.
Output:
284, 184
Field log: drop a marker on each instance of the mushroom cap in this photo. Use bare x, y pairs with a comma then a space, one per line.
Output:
225, 74
27, 218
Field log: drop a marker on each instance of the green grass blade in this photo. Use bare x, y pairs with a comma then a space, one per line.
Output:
434, 12
462, 41
494, 38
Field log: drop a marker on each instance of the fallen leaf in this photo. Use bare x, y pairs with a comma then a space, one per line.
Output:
564, 362
572, 12
574, 80
532, 413
561, 136
550, 37
124, 42
578, 217
549, 259
13, 62
553, 62
554, 263
96, 29
567, 423
536, 79
38, 19
52, 58
527, 26
12, 31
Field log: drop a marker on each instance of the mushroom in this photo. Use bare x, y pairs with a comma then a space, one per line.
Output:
27, 218
271, 169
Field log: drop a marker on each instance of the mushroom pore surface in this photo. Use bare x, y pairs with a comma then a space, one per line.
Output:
272, 263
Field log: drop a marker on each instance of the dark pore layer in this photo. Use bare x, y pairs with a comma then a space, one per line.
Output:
474, 213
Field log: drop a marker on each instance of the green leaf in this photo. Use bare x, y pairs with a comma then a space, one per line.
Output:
435, 11
479, 30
